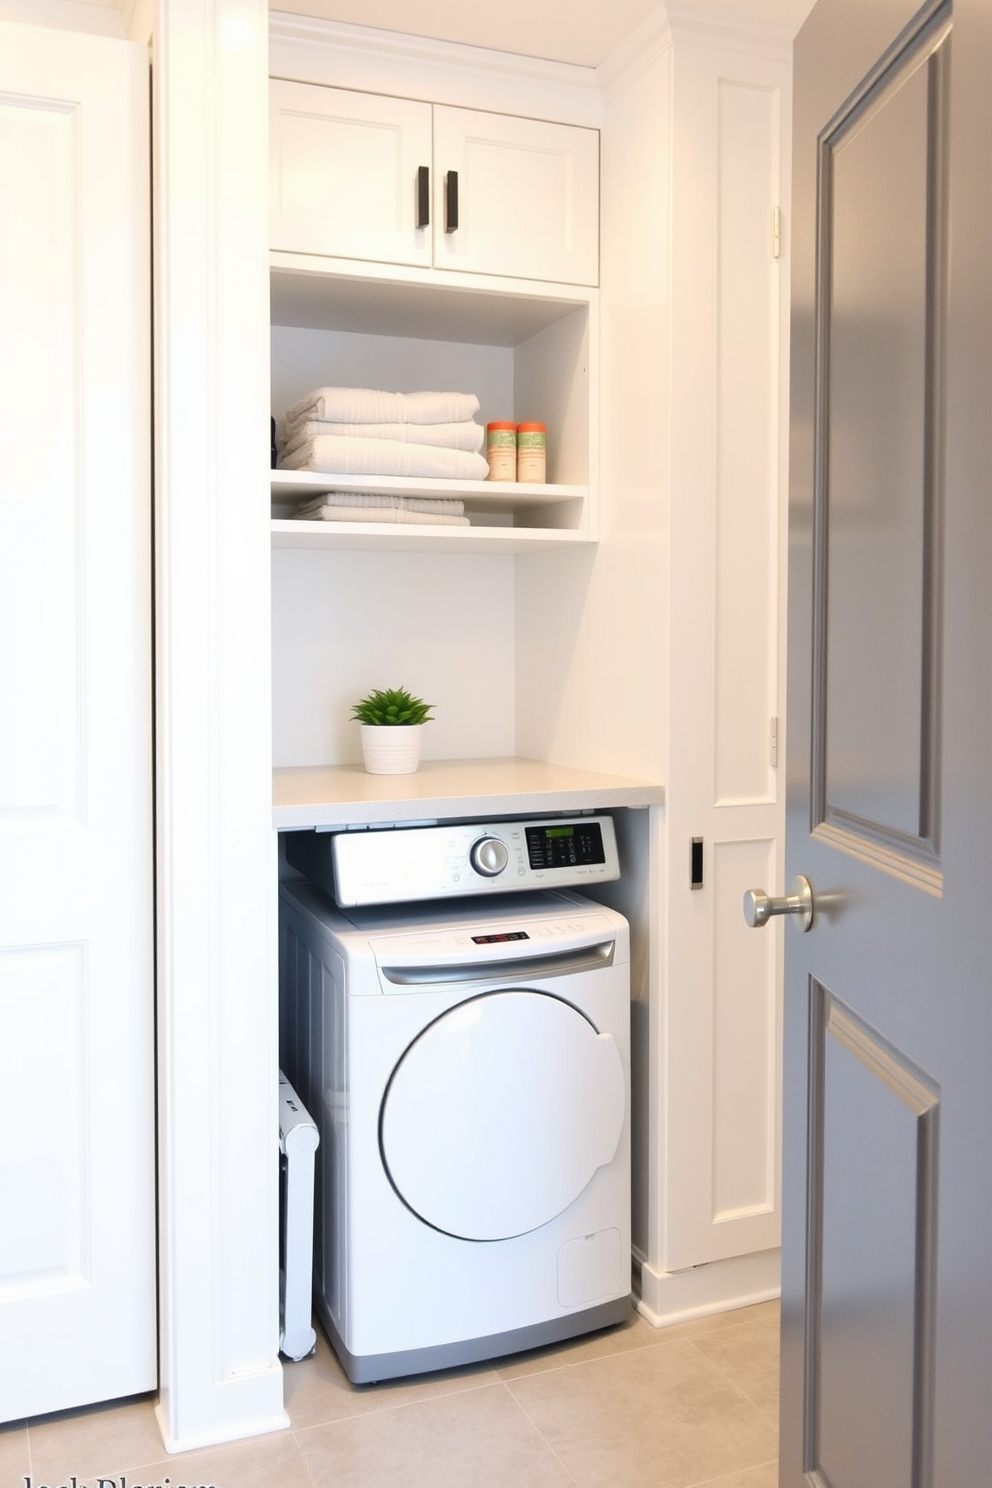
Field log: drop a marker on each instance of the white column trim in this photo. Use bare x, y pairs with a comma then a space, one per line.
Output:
220, 1376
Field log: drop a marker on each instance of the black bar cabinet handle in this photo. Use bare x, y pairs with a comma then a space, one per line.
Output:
696, 863
423, 195
451, 202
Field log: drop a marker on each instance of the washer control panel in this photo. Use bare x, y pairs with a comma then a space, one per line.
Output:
408, 863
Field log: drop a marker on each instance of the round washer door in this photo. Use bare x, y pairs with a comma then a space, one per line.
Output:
500, 1112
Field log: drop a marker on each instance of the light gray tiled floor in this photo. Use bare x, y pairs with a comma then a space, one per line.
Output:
633, 1407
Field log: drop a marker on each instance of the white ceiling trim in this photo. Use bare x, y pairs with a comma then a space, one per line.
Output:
711, 28
634, 55
312, 50
338, 54
684, 24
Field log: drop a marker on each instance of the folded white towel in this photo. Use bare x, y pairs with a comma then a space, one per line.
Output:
370, 406
466, 435
347, 498
380, 514
438, 505
344, 456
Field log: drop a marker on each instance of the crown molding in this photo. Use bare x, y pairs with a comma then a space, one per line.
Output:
309, 49
645, 44
138, 17
313, 50
714, 28
679, 24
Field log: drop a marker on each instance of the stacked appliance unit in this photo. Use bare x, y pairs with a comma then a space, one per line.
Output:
466, 1061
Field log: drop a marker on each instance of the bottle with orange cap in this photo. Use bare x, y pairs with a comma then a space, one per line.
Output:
532, 444
501, 451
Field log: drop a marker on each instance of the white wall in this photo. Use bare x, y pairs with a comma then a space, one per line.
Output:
438, 624
130, 18
96, 17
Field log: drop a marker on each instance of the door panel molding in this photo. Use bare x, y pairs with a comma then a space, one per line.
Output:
902, 1172
855, 841
897, 832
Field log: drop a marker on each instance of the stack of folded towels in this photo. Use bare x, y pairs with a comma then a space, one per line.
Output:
367, 506
360, 431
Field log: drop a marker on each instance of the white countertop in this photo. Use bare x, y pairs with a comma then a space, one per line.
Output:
345, 795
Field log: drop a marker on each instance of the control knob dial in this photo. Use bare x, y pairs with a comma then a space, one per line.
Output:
488, 856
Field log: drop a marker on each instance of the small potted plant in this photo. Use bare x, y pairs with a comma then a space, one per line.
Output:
391, 720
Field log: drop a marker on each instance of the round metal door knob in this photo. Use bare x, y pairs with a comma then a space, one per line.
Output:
488, 856
759, 907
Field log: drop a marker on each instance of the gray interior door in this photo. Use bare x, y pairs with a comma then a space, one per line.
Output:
887, 1270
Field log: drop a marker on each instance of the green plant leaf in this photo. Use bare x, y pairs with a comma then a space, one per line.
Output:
392, 706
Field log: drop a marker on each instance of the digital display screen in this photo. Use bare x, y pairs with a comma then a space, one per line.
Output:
501, 936
566, 846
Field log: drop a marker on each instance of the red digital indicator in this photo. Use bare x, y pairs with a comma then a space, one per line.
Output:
504, 935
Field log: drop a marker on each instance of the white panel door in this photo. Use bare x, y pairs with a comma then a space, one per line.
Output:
77, 1244
527, 196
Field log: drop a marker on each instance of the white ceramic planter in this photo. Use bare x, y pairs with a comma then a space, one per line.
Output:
391, 749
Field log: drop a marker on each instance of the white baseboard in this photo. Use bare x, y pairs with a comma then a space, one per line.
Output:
235, 1414
668, 1297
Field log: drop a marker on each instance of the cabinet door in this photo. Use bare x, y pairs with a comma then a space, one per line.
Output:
343, 171
528, 196
77, 1074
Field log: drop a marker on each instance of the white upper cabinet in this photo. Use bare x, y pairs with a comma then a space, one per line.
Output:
391, 180
343, 172
527, 197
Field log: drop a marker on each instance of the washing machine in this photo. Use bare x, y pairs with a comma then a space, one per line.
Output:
466, 1061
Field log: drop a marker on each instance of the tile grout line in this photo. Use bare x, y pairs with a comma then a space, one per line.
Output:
371, 1416
728, 1477
624, 1355
388, 1409
303, 1458
734, 1385
537, 1430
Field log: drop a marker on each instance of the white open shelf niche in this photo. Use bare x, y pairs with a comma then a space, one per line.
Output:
527, 350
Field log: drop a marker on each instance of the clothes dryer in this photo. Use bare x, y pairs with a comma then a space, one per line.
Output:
468, 1070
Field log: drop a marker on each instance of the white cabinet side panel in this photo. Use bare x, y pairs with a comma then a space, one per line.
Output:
726, 612
747, 434
215, 921
722, 1082
553, 370
592, 683
745, 1046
